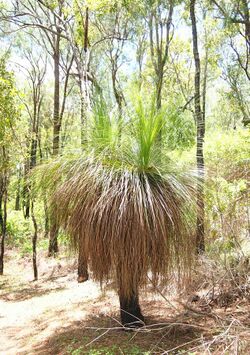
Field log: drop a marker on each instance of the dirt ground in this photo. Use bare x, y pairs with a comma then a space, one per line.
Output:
56, 315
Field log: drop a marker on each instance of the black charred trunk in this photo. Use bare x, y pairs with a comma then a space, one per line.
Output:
131, 316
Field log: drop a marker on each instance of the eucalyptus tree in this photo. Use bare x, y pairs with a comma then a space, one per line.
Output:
200, 123
78, 36
159, 17
180, 69
237, 93
46, 18
27, 14
76, 30
116, 26
35, 74
236, 17
8, 115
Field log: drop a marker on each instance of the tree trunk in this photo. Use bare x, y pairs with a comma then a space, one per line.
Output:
118, 95
46, 218
33, 153
82, 263
3, 219
159, 82
25, 192
83, 117
56, 115
247, 23
131, 315
34, 242
83, 274
18, 191
200, 123
159, 89
53, 243
30, 165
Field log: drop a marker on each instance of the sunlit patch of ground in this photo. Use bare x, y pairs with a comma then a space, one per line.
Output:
56, 315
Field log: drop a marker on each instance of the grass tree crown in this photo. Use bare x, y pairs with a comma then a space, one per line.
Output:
124, 202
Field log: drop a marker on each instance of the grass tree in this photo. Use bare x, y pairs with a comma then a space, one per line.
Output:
125, 205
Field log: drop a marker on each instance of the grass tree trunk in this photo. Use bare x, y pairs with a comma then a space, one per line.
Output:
83, 274
53, 242
200, 123
130, 310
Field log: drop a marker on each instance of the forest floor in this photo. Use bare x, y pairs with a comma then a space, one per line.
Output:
56, 315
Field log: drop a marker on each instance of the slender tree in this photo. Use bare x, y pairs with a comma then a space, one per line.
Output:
8, 114
200, 123
3, 206
159, 20
33, 102
36, 75
117, 28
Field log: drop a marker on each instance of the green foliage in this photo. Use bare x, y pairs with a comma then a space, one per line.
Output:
8, 110
103, 130
227, 156
19, 232
228, 152
179, 130
146, 127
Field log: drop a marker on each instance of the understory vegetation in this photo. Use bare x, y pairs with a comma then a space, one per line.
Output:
124, 177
